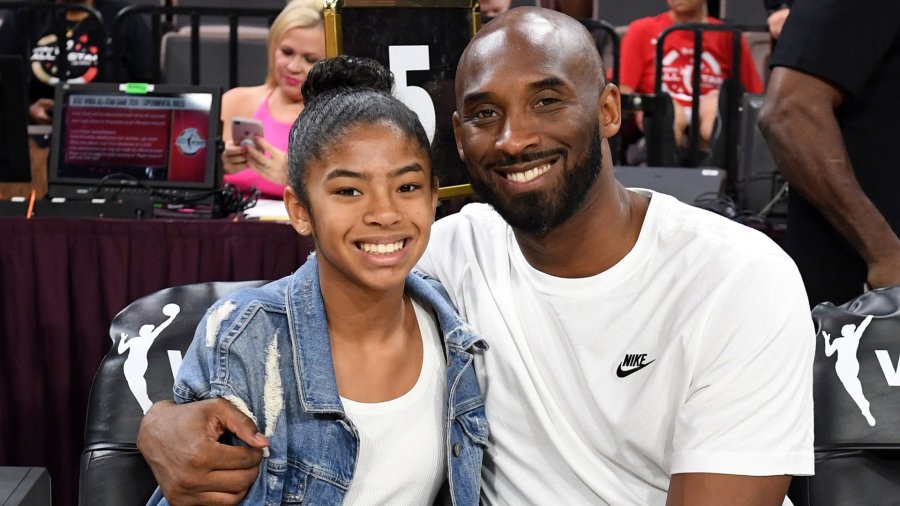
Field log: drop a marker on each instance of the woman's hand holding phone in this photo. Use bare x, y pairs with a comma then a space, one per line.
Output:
234, 158
244, 131
272, 167
249, 149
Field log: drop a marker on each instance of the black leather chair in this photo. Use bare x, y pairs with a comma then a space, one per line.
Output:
857, 414
149, 338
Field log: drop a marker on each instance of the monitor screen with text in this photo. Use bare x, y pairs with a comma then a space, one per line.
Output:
163, 138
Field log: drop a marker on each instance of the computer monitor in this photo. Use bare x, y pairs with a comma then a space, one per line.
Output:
15, 166
134, 135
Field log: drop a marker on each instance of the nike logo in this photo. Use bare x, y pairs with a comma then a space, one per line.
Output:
633, 363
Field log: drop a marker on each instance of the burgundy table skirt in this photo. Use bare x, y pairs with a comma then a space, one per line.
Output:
61, 283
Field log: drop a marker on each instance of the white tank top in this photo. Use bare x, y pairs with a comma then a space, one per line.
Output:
402, 458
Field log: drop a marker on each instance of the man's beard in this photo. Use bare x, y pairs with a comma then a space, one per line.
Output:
540, 211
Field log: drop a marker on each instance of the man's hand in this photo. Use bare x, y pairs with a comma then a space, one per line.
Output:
38, 111
180, 442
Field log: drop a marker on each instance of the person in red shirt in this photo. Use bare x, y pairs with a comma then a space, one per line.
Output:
638, 57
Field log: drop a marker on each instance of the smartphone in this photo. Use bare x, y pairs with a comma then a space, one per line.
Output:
245, 130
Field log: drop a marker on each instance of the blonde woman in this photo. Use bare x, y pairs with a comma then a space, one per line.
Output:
296, 42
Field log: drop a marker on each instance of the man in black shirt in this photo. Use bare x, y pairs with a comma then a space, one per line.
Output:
36, 37
831, 117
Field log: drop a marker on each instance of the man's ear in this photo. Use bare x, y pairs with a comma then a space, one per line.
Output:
458, 135
435, 185
610, 111
297, 211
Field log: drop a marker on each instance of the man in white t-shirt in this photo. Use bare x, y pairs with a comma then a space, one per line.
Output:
642, 351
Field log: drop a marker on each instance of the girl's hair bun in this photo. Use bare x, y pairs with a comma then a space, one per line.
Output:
345, 73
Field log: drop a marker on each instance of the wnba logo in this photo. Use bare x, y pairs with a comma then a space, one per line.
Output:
135, 366
846, 365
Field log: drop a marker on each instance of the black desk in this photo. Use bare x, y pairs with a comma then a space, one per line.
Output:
61, 283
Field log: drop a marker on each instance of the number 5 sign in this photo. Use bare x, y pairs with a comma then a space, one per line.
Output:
421, 46
403, 58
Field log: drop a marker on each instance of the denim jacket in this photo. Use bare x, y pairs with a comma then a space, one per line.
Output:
267, 350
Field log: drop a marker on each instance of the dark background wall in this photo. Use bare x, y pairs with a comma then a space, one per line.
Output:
622, 12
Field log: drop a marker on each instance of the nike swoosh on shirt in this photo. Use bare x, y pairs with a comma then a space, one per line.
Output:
620, 373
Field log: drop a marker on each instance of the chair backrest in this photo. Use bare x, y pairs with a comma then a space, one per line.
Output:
760, 44
856, 392
149, 338
252, 53
229, 49
659, 117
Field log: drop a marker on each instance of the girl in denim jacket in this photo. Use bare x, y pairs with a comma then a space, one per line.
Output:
357, 372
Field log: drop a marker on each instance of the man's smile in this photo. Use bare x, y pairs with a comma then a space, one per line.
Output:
528, 174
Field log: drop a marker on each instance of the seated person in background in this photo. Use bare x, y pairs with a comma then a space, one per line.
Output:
296, 42
342, 364
638, 57
493, 8
87, 61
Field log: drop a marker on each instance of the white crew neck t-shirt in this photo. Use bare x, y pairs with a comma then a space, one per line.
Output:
402, 455
691, 354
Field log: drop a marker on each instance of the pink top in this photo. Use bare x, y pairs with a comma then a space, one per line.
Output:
276, 134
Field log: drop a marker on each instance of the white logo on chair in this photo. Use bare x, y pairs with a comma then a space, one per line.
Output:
847, 365
136, 364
